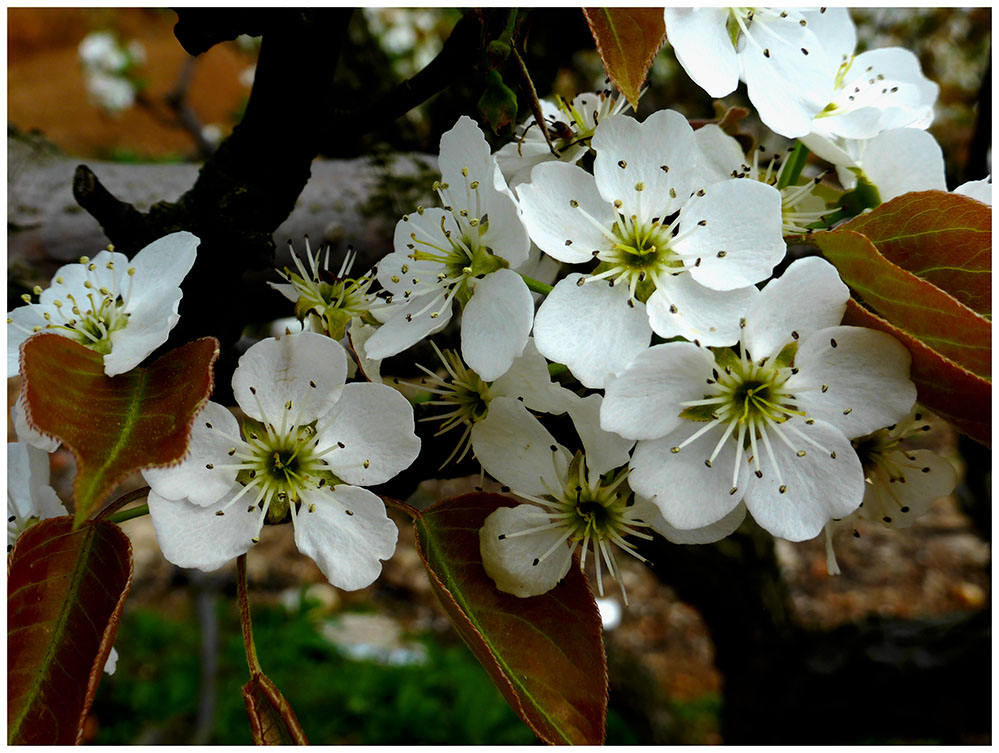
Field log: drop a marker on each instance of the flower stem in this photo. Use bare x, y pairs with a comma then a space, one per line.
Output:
135, 512
536, 286
244, 618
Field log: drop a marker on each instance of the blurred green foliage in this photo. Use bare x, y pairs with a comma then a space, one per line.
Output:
448, 699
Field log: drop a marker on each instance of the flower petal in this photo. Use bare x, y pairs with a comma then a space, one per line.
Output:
688, 309
496, 323
375, 424
212, 436
412, 322
195, 536
741, 240
528, 378
555, 223
510, 560
806, 298
817, 486
926, 477
516, 450
347, 533
688, 492
904, 160
296, 378
644, 401
659, 155
604, 450
591, 329
703, 47
651, 514
866, 374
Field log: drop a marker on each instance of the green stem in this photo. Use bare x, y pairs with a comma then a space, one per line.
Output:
795, 163
535, 286
135, 512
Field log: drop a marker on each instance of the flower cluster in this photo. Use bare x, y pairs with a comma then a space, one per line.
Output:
108, 67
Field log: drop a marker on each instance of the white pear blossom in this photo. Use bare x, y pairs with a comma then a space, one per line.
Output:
786, 56
29, 496
769, 424
574, 500
107, 66
122, 309
308, 444
570, 125
876, 91
466, 250
681, 257
902, 482
722, 157
895, 162
467, 396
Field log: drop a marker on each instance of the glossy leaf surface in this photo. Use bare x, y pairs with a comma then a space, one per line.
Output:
913, 305
943, 238
545, 653
627, 40
944, 387
66, 590
114, 425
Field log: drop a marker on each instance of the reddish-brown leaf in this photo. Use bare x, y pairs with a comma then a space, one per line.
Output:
943, 238
545, 653
627, 40
911, 304
272, 720
66, 589
113, 425
944, 387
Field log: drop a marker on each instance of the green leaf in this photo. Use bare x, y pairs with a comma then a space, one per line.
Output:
943, 238
627, 40
545, 653
944, 387
272, 720
113, 425
66, 590
913, 305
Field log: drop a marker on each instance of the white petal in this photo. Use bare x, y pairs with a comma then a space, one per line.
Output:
112, 661
375, 424
591, 329
644, 401
897, 504
651, 514
807, 297
981, 190
688, 309
22, 322
150, 320
398, 270
867, 374
411, 323
835, 30
904, 160
604, 450
688, 492
359, 333
194, 536
719, 155
817, 486
509, 561
743, 224
787, 86
517, 450
528, 378
496, 323
347, 534
26, 433
191, 479
703, 47
296, 378
163, 263
464, 147
554, 223
659, 155
29, 494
